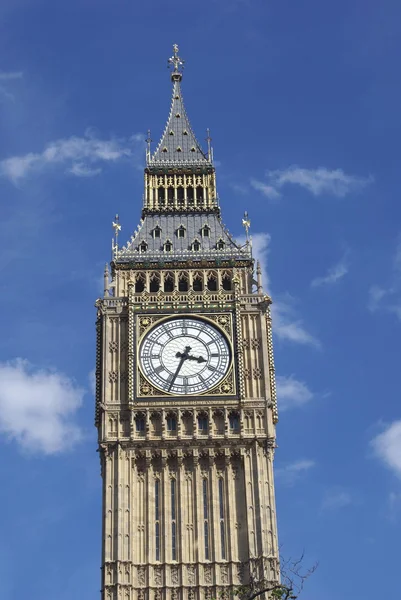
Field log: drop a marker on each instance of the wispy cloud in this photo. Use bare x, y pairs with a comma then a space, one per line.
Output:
333, 275
267, 190
287, 326
388, 297
336, 498
387, 447
37, 407
81, 156
291, 473
319, 181
316, 181
260, 251
291, 392
6, 76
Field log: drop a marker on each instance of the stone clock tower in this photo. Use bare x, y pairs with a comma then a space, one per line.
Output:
185, 391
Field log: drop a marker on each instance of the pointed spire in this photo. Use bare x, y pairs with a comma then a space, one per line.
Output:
259, 277
178, 144
106, 280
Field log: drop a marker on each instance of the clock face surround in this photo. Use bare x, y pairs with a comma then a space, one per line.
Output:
184, 356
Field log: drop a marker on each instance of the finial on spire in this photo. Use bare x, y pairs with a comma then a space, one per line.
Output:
259, 277
176, 62
209, 146
148, 142
246, 222
106, 280
117, 227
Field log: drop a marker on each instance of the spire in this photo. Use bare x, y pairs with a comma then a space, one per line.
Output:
178, 145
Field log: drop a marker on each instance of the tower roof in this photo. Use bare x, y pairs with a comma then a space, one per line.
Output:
178, 145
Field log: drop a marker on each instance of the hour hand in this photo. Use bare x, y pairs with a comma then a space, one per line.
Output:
199, 359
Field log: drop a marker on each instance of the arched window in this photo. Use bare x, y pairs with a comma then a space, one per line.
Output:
205, 231
140, 283
197, 283
181, 231
180, 193
195, 246
220, 244
168, 246
203, 423
212, 282
160, 193
171, 423
190, 193
183, 282
170, 194
157, 232
143, 246
199, 192
168, 282
226, 280
154, 283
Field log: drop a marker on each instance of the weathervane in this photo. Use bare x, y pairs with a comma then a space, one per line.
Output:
117, 227
246, 222
176, 62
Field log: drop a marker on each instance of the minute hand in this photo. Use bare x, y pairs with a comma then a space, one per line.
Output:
183, 357
199, 359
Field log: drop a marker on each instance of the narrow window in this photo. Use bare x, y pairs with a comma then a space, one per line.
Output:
173, 521
234, 423
168, 283
226, 283
205, 520
205, 231
140, 424
156, 232
157, 519
143, 247
212, 283
196, 246
198, 285
190, 193
181, 231
183, 283
222, 526
171, 424
220, 245
154, 284
139, 285
202, 424
168, 246
160, 193
199, 190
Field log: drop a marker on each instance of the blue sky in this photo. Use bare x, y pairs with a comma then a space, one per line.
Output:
302, 99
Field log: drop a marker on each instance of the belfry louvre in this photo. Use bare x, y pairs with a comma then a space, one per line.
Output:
185, 390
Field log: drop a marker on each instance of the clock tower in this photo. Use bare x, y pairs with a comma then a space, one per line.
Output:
185, 390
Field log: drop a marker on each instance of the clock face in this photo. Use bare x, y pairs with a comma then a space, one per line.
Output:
184, 356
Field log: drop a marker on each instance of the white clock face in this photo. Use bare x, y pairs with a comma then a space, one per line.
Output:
184, 356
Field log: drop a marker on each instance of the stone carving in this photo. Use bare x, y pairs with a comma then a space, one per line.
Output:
113, 346
113, 376
255, 343
158, 576
191, 573
174, 576
224, 574
208, 575
141, 576
257, 373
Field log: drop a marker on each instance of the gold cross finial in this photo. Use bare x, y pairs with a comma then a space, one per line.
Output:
175, 60
246, 222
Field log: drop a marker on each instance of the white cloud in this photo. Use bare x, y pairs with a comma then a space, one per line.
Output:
79, 154
291, 392
81, 170
388, 298
37, 407
6, 76
92, 378
319, 181
267, 190
387, 446
287, 327
292, 472
334, 274
337, 498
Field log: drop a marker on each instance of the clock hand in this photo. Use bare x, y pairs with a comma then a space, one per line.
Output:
199, 359
183, 356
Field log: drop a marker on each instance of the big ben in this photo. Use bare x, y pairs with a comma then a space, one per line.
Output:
185, 390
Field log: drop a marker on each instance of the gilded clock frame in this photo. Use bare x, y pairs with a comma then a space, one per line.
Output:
144, 322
